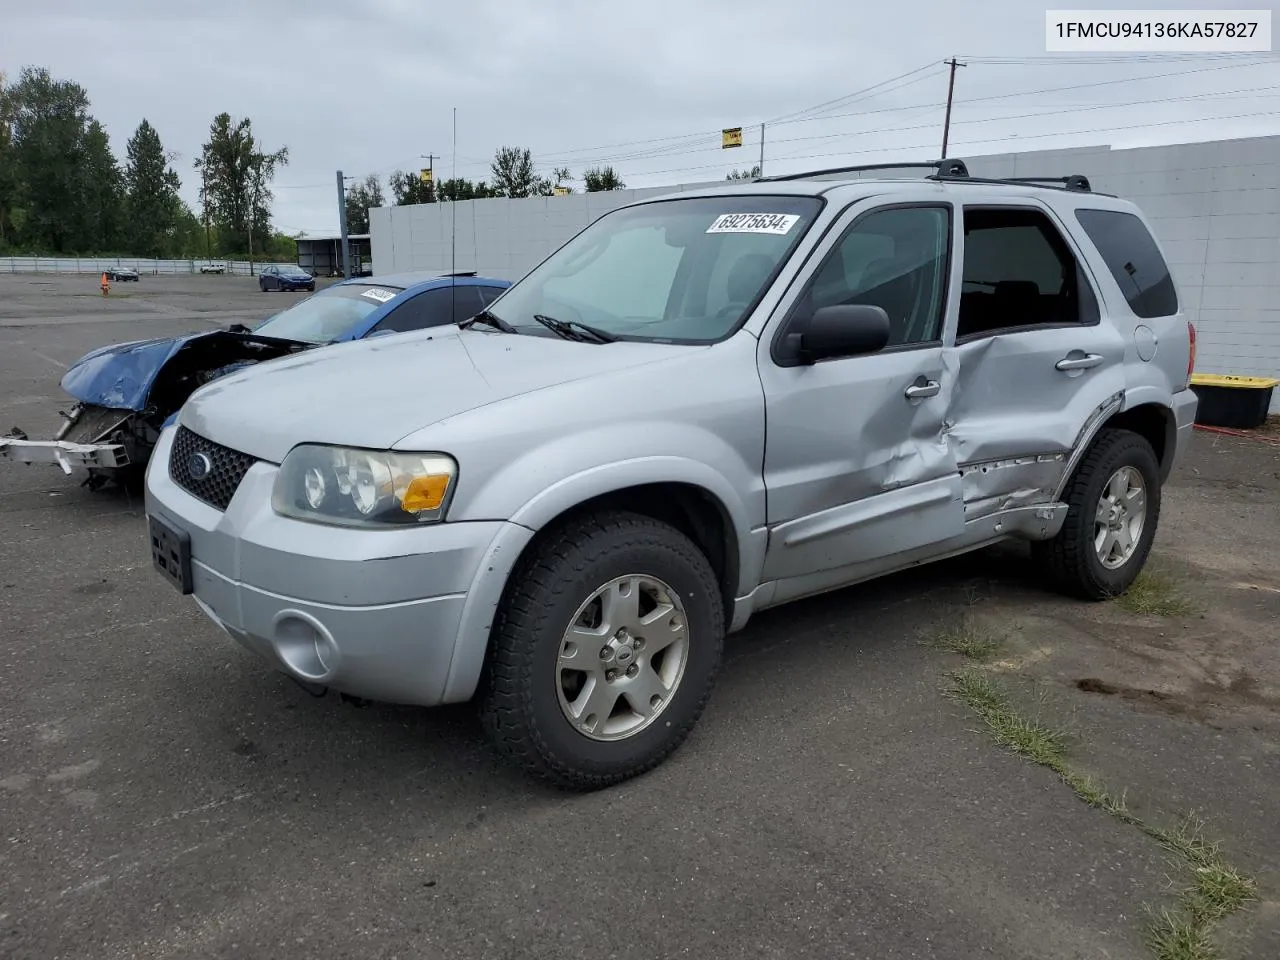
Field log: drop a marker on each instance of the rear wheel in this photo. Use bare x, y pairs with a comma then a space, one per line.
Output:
1113, 508
604, 651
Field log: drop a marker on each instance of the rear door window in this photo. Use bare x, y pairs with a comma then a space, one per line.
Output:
1134, 260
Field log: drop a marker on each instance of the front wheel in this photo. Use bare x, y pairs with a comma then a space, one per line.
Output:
1113, 507
604, 651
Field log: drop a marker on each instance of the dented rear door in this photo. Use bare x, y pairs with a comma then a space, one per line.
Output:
1037, 361
857, 464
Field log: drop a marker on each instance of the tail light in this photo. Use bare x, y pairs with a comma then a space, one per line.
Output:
1191, 354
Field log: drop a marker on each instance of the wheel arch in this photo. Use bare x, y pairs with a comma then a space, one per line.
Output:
709, 520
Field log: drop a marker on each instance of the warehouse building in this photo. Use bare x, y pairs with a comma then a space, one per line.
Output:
322, 256
1214, 206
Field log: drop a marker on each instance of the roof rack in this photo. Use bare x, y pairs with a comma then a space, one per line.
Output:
1077, 183
947, 168
951, 171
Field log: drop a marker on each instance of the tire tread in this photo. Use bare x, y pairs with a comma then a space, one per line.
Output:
538, 581
1065, 558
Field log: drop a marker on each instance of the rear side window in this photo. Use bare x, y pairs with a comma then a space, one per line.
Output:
1133, 259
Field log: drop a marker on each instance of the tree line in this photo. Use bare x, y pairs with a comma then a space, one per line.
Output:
512, 173
64, 192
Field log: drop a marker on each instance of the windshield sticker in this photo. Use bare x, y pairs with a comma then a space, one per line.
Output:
377, 293
776, 223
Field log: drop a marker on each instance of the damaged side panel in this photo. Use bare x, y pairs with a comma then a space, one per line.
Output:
1017, 410
856, 468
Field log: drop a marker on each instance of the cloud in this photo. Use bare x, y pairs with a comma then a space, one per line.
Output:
370, 87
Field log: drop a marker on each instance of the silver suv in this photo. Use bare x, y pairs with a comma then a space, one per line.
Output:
699, 407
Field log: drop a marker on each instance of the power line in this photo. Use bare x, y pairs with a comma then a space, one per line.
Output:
929, 146
688, 140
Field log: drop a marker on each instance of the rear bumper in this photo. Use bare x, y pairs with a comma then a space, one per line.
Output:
1185, 404
64, 453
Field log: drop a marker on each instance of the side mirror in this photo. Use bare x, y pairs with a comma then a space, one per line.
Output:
844, 330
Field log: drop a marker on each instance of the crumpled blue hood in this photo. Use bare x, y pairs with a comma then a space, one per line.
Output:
120, 376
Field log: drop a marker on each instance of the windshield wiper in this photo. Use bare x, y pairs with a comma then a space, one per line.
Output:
489, 319
574, 330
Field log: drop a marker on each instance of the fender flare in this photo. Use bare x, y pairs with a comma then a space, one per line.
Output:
486, 590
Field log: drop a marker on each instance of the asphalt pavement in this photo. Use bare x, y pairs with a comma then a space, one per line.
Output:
164, 795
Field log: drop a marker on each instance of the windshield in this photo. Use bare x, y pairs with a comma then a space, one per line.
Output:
294, 271
329, 314
683, 271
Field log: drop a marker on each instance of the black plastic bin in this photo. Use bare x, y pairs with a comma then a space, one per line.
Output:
1239, 402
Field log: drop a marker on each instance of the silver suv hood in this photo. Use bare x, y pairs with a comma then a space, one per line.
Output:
371, 393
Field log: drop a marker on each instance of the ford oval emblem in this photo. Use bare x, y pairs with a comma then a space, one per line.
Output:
199, 466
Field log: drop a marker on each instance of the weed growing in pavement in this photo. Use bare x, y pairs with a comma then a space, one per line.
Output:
968, 640
1156, 593
1216, 889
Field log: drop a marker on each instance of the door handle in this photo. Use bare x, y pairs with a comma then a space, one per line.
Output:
918, 390
1079, 363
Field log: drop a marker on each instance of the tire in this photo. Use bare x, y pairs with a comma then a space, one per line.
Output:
1071, 560
524, 704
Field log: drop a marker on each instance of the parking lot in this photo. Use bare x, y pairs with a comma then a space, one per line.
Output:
162, 795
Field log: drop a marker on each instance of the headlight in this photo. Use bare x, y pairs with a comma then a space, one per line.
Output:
363, 488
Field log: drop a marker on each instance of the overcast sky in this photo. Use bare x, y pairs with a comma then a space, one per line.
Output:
367, 86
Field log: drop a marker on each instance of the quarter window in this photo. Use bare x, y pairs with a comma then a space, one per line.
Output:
1134, 261
1019, 272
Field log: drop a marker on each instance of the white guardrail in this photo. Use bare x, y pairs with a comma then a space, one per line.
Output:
92, 265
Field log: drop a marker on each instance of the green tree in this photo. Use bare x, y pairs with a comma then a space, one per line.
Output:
513, 175
8, 174
50, 120
235, 192
360, 197
600, 179
459, 188
101, 195
744, 174
152, 203
408, 188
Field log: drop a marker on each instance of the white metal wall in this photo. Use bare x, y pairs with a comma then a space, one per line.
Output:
144, 267
1215, 207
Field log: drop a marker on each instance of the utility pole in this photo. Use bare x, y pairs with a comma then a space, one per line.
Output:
951, 89
762, 149
431, 159
342, 224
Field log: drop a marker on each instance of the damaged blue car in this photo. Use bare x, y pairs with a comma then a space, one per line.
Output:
124, 394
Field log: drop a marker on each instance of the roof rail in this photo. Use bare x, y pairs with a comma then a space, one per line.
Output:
942, 168
951, 171
458, 273
1077, 183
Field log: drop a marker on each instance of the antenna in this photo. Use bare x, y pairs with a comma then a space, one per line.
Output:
453, 239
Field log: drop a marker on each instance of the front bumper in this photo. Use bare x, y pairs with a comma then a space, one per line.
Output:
64, 453
399, 616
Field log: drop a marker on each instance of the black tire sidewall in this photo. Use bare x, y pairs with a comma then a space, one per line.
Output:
653, 552
1125, 449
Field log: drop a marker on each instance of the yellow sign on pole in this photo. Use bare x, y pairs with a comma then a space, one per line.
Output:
731, 137
425, 175
562, 191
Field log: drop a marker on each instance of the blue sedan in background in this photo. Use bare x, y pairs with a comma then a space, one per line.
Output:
288, 277
126, 393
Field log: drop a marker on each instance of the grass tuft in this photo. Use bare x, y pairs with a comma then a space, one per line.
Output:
1024, 736
1156, 593
969, 640
1172, 937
